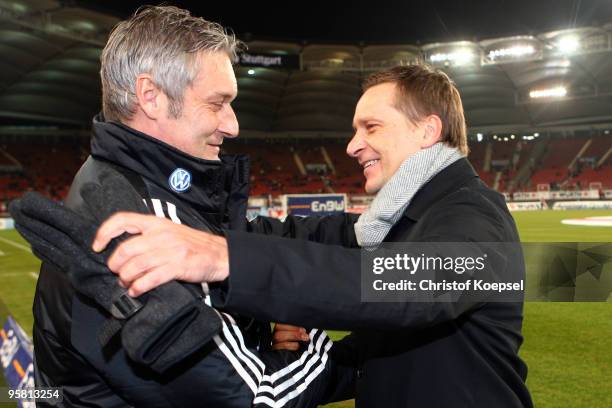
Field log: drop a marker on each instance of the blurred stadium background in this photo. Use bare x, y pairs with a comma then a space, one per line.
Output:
539, 111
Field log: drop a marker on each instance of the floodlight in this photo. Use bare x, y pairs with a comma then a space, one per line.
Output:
516, 51
556, 92
458, 57
568, 44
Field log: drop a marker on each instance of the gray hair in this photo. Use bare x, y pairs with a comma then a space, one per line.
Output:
163, 41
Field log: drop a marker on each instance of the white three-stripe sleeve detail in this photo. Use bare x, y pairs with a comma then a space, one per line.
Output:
293, 381
318, 356
230, 339
246, 350
300, 388
236, 364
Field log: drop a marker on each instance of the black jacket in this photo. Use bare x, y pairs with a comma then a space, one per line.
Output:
408, 354
237, 369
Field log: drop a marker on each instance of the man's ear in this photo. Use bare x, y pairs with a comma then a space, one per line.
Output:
432, 125
150, 98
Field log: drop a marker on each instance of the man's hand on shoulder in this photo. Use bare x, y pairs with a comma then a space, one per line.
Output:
161, 251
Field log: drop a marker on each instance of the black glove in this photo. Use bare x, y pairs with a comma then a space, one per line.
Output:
159, 328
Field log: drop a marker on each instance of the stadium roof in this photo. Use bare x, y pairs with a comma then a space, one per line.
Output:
390, 22
50, 63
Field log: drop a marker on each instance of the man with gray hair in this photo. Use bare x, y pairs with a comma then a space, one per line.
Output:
167, 85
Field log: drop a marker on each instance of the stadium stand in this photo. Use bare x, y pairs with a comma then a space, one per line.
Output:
47, 167
317, 165
295, 118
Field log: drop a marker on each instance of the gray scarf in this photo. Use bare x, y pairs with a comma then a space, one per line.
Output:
395, 196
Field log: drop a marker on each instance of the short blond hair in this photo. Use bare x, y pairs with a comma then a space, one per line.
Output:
422, 91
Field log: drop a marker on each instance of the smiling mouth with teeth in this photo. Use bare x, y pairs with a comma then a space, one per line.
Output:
370, 163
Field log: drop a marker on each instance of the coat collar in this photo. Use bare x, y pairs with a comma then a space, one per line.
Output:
209, 182
447, 181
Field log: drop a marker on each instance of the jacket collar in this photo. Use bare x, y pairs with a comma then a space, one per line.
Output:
447, 181
210, 182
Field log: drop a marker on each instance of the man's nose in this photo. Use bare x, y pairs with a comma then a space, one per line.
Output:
229, 123
355, 145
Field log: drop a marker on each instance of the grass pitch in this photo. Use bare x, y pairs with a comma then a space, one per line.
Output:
568, 346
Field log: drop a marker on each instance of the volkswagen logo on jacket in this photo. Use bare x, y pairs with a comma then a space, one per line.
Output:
180, 180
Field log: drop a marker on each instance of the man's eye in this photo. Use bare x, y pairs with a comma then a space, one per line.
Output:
371, 127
